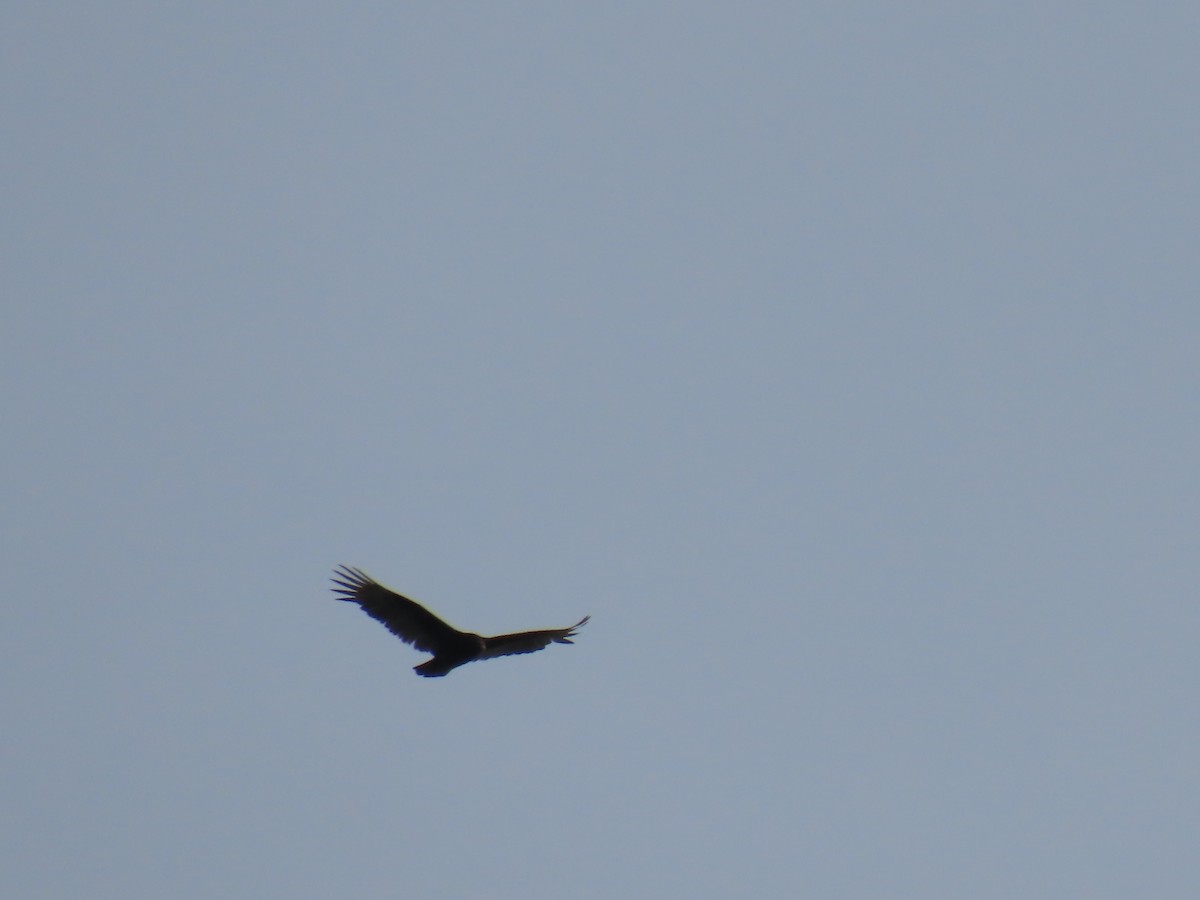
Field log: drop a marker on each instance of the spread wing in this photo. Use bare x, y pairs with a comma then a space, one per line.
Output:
528, 641
406, 619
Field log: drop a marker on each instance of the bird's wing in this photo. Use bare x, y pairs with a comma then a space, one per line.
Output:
406, 619
528, 641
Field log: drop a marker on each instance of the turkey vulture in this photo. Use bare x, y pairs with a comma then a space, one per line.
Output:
414, 624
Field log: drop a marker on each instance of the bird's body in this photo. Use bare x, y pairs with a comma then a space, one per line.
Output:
414, 624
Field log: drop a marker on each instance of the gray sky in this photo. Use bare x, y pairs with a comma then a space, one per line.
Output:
839, 359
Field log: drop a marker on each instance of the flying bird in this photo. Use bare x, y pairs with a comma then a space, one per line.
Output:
414, 624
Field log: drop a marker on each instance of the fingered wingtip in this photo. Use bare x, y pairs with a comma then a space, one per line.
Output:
571, 631
349, 581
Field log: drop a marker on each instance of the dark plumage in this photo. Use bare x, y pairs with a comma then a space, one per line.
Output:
414, 624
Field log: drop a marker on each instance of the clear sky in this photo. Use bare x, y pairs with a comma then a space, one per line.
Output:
840, 359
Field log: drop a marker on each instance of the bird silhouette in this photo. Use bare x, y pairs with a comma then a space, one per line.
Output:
415, 625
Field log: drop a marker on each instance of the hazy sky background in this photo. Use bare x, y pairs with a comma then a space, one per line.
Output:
839, 359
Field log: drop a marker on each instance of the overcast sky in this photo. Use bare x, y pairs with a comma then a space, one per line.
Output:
839, 359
